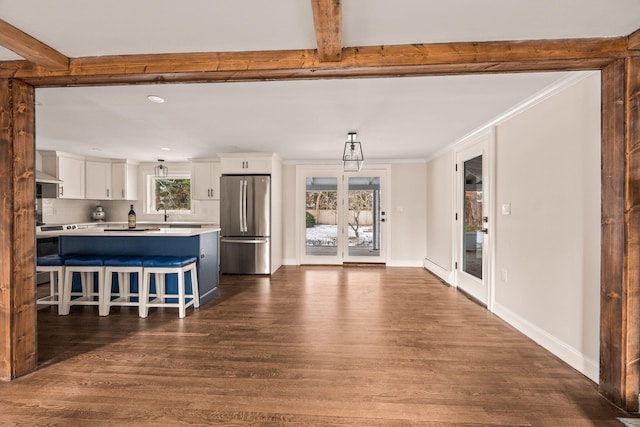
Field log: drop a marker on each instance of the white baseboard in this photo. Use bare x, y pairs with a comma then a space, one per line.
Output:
290, 261
405, 263
444, 274
568, 354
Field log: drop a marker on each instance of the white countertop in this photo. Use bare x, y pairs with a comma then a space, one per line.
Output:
159, 232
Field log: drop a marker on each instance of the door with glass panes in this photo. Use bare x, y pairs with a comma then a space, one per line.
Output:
344, 217
472, 219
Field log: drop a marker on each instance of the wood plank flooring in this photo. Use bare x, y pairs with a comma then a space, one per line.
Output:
310, 346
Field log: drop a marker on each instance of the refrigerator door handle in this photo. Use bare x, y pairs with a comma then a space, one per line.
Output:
241, 208
244, 212
252, 241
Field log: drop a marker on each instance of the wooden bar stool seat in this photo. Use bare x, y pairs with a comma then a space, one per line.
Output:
54, 265
161, 267
127, 292
90, 294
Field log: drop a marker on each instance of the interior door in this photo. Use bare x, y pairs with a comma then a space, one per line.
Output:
473, 220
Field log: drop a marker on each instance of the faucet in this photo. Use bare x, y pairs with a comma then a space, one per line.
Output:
163, 206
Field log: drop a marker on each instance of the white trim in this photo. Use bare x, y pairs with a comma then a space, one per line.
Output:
404, 263
334, 162
546, 93
441, 272
290, 261
564, 351
482, 143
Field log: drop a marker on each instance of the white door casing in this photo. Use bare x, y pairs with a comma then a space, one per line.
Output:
469, 243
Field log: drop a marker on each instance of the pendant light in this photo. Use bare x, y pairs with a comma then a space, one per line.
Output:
352, 158
161, 171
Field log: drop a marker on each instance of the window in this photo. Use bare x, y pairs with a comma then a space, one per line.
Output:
172, 194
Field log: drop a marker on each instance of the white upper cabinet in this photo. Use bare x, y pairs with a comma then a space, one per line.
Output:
124, 180
246, 163
98, 176
205, 181
70, 169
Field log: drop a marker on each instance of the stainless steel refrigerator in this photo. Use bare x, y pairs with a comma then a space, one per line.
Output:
245, 222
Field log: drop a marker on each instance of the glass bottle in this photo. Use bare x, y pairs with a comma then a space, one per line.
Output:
131, 218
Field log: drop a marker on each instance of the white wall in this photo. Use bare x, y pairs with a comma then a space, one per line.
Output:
407, 211
548, 168
440, 194
289, 214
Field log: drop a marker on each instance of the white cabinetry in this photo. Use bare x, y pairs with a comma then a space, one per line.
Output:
68, 168
98, 180
124, 180
247, 163
205, 181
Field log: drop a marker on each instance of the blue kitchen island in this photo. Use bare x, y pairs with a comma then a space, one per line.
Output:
203, 243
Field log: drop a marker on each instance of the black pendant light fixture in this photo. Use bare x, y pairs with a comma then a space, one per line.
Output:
352, 158
161, 171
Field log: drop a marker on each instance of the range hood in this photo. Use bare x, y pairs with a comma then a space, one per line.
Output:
45, 178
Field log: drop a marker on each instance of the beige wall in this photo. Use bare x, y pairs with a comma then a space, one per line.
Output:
546, 276
548, 249
407, 212
440, 192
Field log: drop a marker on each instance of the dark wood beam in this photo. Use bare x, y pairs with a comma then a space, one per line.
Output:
17, 230
632, 238
31, 49
376, 61
612, 295
327, 20
634, 40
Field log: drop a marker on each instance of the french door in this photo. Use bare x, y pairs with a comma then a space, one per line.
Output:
343, 216
473, 219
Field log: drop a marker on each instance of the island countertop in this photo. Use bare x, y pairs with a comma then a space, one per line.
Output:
123, 232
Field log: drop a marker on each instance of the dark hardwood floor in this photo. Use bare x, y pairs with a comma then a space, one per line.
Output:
310, 346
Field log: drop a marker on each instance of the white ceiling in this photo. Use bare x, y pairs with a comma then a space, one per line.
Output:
396, 118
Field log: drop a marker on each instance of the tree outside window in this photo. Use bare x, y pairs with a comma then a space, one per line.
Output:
172, 194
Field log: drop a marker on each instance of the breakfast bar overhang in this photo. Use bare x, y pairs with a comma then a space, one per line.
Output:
202, 243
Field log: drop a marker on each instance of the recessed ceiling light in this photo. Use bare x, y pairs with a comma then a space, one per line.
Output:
156, 99
165, 149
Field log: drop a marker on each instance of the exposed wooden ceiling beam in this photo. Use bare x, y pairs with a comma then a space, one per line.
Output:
327, 19
375, 61
634, 40
31, 49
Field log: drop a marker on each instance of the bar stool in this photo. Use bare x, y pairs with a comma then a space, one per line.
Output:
124, 267
86, 266
160, 267
54, 265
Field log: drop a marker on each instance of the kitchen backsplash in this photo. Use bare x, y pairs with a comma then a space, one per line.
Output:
59, 211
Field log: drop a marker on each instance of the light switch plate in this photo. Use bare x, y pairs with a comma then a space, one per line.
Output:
506, 209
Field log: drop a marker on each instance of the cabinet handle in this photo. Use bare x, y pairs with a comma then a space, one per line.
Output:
61, 190
123, 193
107, 192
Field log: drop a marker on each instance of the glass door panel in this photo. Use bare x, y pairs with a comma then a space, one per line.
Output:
364, 216
472, 217
321, 220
